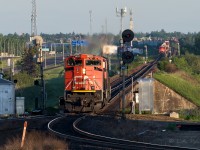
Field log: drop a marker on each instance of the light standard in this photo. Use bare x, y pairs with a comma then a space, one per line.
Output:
80, 42
179, 53
146, 55
1, 58
70, 43
76, 38
55, 52
61, 41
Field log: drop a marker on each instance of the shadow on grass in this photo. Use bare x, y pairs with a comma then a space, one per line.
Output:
54, 88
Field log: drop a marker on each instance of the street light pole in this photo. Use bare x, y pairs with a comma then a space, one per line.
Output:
146, 55
179, 53
70, 44
55, 53
63, 51
61, 41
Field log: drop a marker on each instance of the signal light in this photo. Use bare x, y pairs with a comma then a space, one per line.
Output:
36, 82
127, 35
127, 57
61, 101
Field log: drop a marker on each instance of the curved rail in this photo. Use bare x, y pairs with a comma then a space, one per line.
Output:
78, 138
128, 143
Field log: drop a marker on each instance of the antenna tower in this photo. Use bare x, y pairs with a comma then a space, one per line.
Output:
33, 19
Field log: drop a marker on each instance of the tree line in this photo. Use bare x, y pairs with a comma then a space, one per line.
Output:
14, 44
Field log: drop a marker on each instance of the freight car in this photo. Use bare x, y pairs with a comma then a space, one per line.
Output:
87, 84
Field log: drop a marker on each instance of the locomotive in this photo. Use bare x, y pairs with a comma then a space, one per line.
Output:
87, 83
164, 48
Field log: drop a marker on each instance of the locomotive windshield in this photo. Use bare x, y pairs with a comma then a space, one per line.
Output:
72, 62
93, 62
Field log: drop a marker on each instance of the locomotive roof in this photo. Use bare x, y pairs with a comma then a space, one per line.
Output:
87, 56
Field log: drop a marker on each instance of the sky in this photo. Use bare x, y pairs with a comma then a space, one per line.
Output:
67, 16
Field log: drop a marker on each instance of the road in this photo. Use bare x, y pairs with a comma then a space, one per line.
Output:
49, 62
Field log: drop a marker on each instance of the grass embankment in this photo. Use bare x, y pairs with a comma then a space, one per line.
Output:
54, 83
186, 85
182, 83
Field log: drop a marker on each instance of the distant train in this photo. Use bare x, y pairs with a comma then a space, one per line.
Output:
87, 84
164, 48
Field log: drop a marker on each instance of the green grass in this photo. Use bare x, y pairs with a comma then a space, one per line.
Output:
181, 85
54, 82
54, 79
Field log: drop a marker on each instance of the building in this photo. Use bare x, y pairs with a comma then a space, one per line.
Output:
7, 97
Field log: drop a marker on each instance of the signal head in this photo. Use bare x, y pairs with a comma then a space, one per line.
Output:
127, 35
127, 57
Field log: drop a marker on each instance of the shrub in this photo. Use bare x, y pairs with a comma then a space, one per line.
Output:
36, 141
170, 68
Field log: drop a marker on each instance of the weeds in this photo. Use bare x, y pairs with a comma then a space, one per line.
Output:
36, 141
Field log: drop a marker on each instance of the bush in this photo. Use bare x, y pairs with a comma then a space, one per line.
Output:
170, 68
192, 114
36, 141
162, 64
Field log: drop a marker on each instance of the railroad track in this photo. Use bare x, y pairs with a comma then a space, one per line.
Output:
67, 127
118, 83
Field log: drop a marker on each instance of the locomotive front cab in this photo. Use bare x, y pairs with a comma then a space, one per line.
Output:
84, 80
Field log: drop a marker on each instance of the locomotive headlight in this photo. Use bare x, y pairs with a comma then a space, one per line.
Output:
84, 71
92, 87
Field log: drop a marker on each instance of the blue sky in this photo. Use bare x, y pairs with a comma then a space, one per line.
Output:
66, 16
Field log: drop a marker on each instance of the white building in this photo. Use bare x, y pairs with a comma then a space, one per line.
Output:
7, 97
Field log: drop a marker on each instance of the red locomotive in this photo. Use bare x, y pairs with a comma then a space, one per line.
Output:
164, 48
87, 84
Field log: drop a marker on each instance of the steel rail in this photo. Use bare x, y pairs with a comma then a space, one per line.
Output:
127, 143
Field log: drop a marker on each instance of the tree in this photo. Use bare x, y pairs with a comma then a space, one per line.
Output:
28, 62
197, 44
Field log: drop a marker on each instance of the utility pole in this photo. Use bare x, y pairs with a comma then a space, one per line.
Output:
70, 43
55, 52
61, 41
146, 54
179, 53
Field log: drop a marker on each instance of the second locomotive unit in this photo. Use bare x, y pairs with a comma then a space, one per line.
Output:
87, 84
